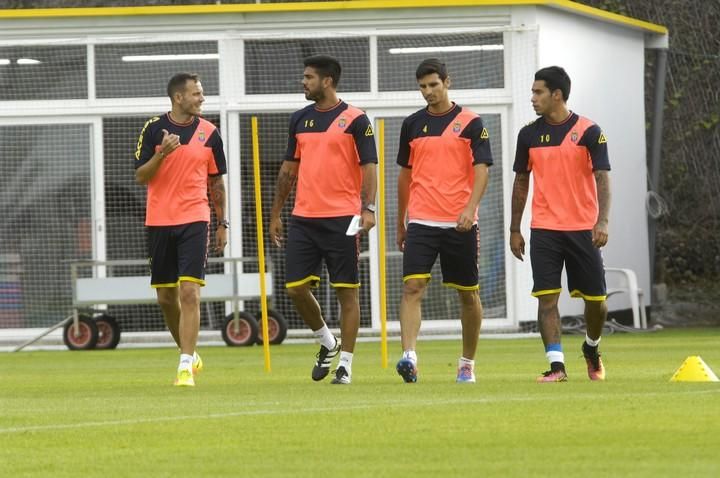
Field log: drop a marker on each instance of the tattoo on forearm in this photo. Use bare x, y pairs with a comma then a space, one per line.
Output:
285, 182
365, 198
602, 179
217, 195
521, 186
368, 188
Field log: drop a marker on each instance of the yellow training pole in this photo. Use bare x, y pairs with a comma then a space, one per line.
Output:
381, 242
261, 247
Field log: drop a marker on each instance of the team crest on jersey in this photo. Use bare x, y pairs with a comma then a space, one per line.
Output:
342, 122
201, 135
574, 136
456, 127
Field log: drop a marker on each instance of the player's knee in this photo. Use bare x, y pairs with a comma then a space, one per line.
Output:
167, 297
469, 297
596, 305
164, 301
414, 288
189, 295
347, 295
298, 292
547, 303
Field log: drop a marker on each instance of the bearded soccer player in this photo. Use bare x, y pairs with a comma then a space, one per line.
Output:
444, 154
568, 159
180, 158
331, 156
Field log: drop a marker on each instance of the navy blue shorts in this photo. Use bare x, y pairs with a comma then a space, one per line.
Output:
178, 253
550, 250
312, 240
458, 253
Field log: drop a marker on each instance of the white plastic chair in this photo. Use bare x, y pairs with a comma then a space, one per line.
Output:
634, 292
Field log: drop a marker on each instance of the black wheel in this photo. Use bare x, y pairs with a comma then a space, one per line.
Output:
277, 327
82, 337
108, 332
240, 332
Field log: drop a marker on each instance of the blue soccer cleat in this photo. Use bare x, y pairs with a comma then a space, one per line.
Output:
465, 374
407, 369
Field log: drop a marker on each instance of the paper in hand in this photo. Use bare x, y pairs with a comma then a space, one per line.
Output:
354, 226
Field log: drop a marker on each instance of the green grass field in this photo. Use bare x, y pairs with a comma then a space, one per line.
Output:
115, 413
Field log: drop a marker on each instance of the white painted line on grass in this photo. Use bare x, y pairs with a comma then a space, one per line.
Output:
360, 406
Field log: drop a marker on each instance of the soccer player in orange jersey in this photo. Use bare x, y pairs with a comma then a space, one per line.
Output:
444, 153
331, 155
567, 156
180, 158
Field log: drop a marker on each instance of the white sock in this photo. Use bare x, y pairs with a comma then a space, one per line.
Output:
591, 342
555, 356
411, 355
186, 361
346, 361
464, 361
325, 338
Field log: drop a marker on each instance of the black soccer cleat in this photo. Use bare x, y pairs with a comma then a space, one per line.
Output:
342, 377
324, 359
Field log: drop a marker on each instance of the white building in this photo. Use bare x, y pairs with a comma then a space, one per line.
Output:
77, 84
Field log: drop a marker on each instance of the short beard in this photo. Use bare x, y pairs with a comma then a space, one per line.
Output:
314, 96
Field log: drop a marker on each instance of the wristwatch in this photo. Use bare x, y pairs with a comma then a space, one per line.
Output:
224, 223
370, 207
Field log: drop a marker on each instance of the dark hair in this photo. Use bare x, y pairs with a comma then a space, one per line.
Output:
177, 82
555, 78
325, 66
430, 66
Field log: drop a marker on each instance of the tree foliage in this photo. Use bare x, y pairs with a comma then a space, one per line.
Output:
687, 244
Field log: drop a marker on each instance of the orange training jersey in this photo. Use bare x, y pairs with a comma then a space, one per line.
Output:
562, 158
331, 145
177, 194
441, 150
